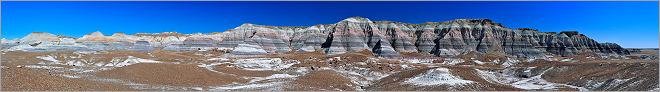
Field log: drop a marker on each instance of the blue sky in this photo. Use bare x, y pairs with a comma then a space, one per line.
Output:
630, 24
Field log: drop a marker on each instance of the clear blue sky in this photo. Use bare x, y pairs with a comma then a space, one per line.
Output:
631, 24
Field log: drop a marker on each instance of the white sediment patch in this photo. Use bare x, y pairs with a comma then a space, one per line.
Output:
614, 83
307, 49
419, 61
49, 58
479, 62
274, 76
533, 83
75, 63
452, 61
537, 82
130, 61
84, 63
209, 67
85, 52
218, 59
405, 66
438, 76
510, 62
248, 49
69, 76
359, 76
302, 70
496, 78
251, 86
42, 67
197, 88
496, 61
261, 64
567, 60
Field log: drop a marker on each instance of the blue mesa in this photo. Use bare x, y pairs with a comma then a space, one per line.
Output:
630, 24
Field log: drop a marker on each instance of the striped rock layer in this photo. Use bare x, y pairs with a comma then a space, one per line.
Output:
389, 39
383, 38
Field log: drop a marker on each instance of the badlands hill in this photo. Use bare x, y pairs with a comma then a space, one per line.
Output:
383, 38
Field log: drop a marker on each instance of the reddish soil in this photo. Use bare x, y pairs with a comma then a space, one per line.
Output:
26, 79
241, 72
170, 74
322, 80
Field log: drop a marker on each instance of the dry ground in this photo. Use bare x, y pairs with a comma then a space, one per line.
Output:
186, 72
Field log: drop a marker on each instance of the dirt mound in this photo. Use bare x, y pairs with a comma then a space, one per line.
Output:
638, 76
323, 80
396, 81
471, 74
392, 81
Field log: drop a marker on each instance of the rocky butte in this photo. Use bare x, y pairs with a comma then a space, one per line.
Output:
382, 38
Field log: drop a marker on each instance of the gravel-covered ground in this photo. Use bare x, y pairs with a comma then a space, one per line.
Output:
214, 71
